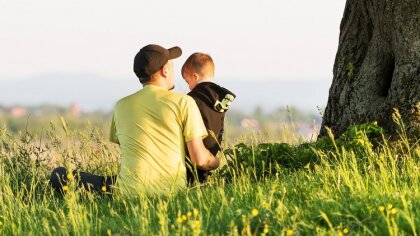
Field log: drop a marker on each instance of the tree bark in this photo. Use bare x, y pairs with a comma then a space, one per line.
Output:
377, 66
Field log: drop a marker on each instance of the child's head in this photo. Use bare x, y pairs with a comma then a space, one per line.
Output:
198, 67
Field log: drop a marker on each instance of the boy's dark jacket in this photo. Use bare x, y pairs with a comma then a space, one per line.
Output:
212, 101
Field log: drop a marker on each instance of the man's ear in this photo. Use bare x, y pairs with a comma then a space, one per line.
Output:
164, 71
196, 76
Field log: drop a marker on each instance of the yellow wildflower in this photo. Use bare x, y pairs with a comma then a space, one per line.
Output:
195, 212
389, 206
70, 176
289, 232
381, 208
394, 211
345, 230
339, 233
65, 188
184, 217
254, 212
103, 188
195, 224
189, 214
179, 220
265, 229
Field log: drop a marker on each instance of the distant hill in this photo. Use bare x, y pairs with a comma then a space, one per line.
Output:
96, 93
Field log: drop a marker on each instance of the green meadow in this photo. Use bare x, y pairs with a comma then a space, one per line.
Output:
361, 183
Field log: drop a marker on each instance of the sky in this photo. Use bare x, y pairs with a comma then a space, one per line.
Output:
248, 40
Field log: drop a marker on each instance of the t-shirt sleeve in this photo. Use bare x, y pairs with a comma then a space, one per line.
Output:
192, 121
113, 132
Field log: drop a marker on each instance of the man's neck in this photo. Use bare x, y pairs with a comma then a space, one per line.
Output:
157, 83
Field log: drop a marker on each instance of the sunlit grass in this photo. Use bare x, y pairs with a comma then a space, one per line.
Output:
351, 185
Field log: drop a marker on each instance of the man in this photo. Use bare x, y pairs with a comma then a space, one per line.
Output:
153, 126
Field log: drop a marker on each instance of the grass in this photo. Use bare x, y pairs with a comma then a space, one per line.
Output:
336, 186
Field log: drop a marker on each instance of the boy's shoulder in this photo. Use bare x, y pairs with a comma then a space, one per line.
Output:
210, 88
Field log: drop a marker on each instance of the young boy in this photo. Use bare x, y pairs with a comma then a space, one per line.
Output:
212, 100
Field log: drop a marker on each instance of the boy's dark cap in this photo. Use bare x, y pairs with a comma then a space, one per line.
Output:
152, 58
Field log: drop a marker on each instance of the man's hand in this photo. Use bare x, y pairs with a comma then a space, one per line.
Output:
200, 156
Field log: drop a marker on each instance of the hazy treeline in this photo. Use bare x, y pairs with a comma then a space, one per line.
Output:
271, 125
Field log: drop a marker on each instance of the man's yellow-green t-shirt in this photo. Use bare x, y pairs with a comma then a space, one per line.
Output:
152, 127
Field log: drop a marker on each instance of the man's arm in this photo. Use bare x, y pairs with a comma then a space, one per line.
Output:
113, 132
200, 156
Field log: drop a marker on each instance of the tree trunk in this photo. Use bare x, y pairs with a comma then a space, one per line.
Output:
377, 66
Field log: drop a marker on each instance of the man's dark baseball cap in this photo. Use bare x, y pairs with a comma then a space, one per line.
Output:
151, 58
